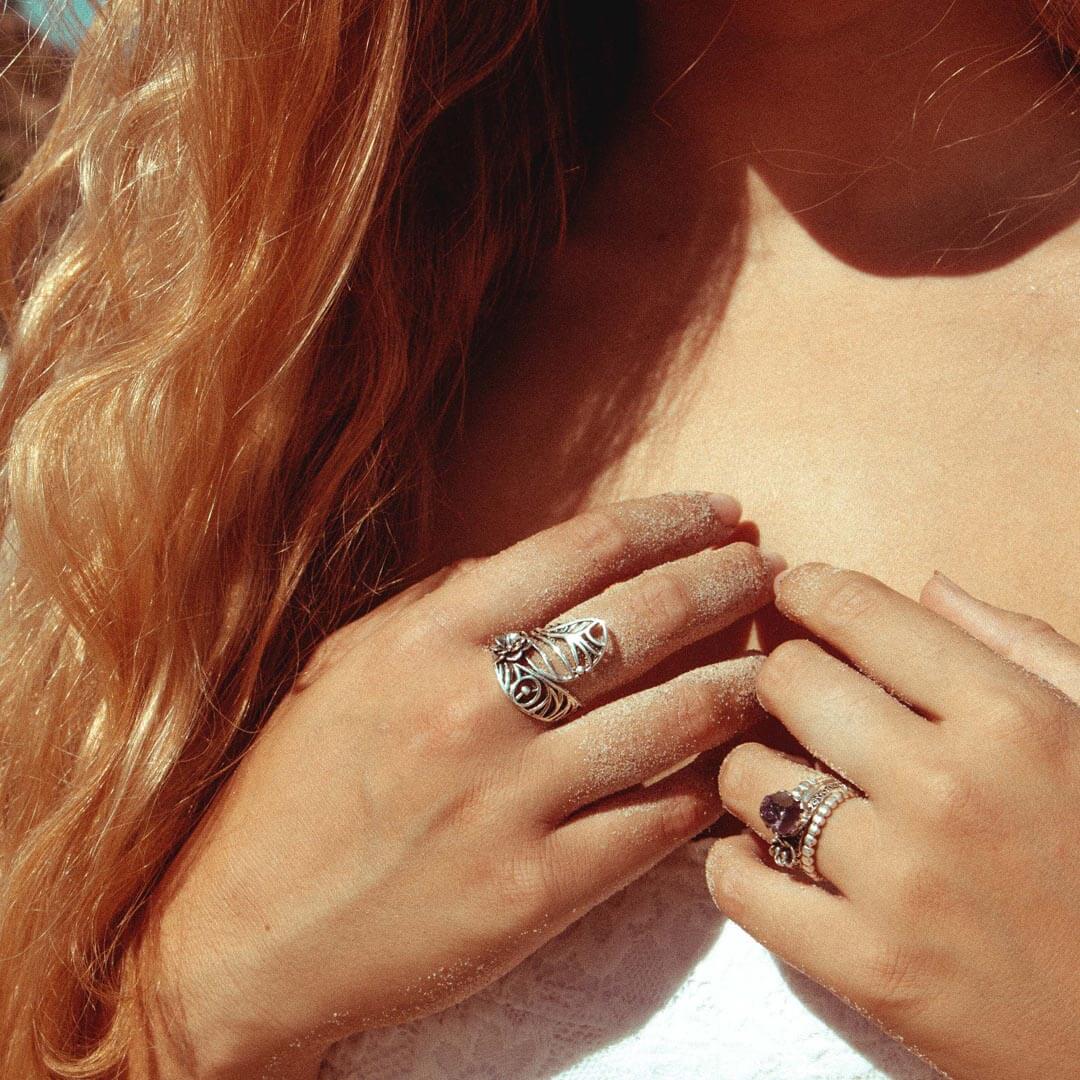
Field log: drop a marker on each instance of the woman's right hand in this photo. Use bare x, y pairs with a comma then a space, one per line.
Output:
399, 834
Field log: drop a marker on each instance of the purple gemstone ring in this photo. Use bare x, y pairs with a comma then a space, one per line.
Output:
788, 815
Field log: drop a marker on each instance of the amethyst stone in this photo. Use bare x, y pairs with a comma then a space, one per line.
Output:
781, 811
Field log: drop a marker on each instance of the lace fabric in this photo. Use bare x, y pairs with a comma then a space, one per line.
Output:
653, 984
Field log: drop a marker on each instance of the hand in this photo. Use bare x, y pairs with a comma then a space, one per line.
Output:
954, 917
400, 834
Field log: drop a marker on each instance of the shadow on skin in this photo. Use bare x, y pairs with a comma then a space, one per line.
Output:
604, 350
619, 352
606, 346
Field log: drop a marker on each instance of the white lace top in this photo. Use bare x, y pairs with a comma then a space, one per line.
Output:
652, 985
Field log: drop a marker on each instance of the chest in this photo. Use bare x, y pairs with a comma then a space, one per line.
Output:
896, 429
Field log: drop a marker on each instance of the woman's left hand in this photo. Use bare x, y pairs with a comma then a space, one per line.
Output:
955, 920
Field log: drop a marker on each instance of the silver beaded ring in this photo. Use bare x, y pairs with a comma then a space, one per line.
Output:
808, 847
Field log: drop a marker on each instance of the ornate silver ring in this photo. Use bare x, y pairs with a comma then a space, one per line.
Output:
534, 666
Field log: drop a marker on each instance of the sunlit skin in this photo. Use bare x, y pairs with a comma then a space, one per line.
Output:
784, 282
953, 920
400, 834
789, 279
892, 421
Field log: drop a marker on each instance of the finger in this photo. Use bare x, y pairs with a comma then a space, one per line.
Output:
843, 718
752, 771
809, 928
605, 847
527, 584
1029, 642
641, 736
648, 618
662, 610
925, 660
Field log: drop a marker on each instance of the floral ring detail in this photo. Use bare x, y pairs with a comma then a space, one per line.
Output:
796, 818
534, 666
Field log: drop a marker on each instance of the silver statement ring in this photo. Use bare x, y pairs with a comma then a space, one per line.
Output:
791, 814
534, 666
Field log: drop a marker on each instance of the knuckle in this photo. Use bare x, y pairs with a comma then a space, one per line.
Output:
847, 598
951, 800
423, 631
691, 710
441, 611
1010, 711
1037, 628
781, 667
442, 735
1030, 715
598, 534
736, 769
446, 733
681, 816
1029, 634
416, 637
661, 600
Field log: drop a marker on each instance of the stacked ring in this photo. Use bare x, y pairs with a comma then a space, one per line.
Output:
821, 813
796, 818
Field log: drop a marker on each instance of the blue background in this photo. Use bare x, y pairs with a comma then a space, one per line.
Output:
42, 13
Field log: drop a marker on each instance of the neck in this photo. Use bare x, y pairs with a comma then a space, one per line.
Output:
905, 136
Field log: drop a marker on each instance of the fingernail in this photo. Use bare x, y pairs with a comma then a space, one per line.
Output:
947, 582
727, 509
961, 596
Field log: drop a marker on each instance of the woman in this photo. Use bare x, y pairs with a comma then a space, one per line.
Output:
230, 371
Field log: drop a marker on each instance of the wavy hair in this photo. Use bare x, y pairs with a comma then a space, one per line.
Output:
240, 276
239, 281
